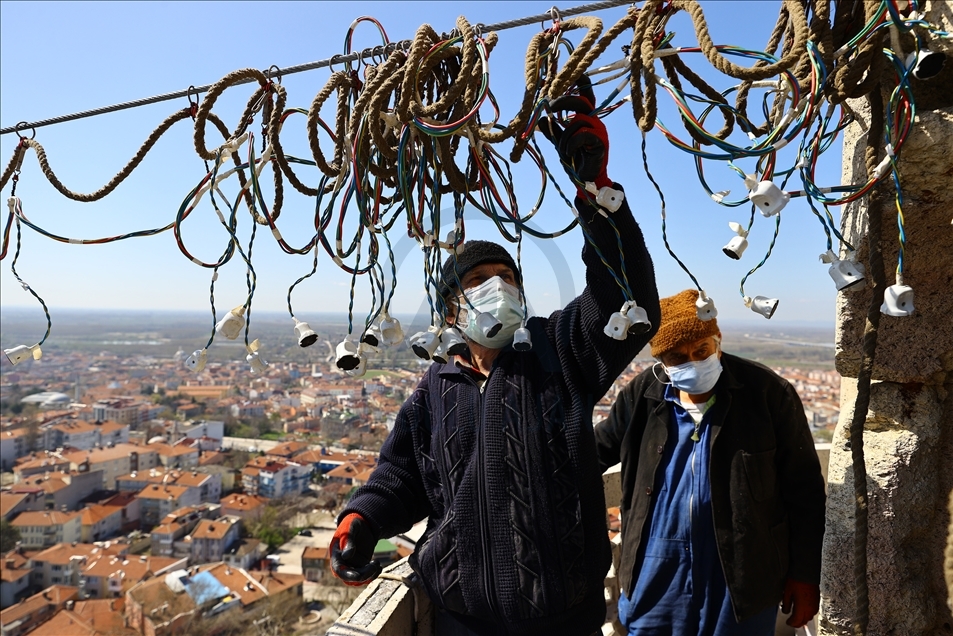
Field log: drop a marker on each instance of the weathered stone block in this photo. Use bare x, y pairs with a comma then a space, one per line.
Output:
907, 453
908, 349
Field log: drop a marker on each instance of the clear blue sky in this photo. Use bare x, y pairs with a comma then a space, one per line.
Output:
58, 58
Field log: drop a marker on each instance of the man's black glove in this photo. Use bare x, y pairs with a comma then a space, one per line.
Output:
583, 146
352, 547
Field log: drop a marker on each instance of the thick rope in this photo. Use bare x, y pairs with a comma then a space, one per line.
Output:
948, 560
875, 204
16, 160
113, 183
214, 93
340, 82
798, 18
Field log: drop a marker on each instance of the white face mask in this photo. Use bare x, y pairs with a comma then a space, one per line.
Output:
499, 299
695, 378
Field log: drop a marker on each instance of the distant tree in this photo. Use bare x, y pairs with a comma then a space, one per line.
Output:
32, 435
9, 535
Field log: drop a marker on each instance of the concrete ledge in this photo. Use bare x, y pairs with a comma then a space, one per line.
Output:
386, 608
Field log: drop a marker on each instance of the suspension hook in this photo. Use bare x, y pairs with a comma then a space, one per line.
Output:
193, 106
23, 126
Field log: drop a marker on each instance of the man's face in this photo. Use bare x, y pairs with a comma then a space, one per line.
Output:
476, 277
482, 273
692, 351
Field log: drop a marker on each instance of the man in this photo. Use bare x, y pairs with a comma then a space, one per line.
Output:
496, 448
722, 493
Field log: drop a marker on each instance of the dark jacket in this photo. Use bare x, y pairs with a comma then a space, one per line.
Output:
516, 541
767, 492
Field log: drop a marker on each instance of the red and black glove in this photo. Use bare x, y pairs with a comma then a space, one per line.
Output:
801, 600
583, 146
352, 547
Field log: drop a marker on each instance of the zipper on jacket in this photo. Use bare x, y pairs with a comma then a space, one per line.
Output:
482, 495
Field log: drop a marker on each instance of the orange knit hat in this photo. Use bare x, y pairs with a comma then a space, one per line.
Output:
680, 323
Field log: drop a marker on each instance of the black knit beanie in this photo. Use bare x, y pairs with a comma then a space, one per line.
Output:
474, 253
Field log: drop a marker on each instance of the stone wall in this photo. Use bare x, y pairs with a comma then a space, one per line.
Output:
908, 437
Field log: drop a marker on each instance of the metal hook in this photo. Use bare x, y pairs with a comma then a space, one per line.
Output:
18, 128
554, 16
479, 29
334, 58
193, 106
276, 74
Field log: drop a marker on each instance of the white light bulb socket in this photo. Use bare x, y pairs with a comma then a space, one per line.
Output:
372, 337
705, 308
440, 353
522, 340
391, 332
425, 343
769, 198
346, 355
609, 198
196, 361
847, 276
305, 334
762, 305
231, 325
360, 369
487, 323
898, 301
455, 344
617, 327
736, 247
925, 64
257, 363
639, 322
21, 353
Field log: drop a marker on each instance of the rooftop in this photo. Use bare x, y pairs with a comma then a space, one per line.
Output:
44, 518
237, 501
315, 553
55, 595
157, 491
61, 553
95, 513
213, 529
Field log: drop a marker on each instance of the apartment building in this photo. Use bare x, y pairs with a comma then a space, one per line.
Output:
83, 435
247, 507
123, 410
208, 485
267, 477
121, 459
42, 529
110, 576
166, 537
202, 428
35, 610
163, 606
128, 503
61, 490
314, 563
99, 522
14, 443
13, 503
245, 553
177, 456
211, 538
156, 501
63, 563
39, 463
15, 577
